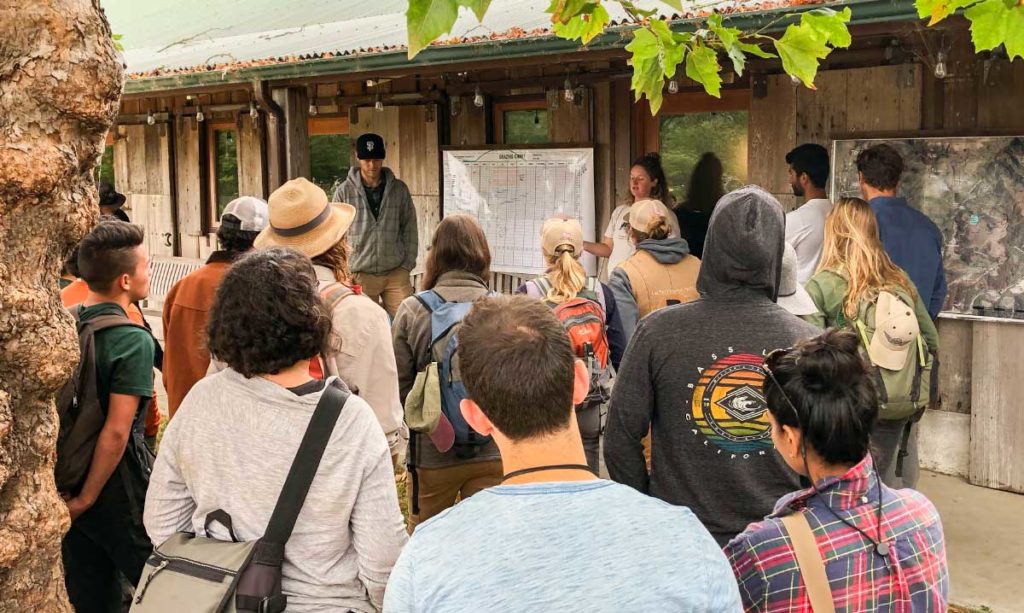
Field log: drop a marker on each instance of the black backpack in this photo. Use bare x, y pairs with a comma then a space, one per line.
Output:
78, 404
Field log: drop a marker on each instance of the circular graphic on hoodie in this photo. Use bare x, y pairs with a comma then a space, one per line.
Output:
728, 406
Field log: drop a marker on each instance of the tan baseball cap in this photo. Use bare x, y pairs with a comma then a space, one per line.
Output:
559, 231
896, 329
644, 213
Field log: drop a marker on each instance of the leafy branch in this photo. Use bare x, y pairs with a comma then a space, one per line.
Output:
657, 52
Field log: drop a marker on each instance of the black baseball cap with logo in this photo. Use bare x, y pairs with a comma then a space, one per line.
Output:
370, 146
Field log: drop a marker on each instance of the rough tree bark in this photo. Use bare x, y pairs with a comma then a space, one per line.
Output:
60, 82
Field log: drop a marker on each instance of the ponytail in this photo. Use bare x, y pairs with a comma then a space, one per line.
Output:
659, 230
567, 275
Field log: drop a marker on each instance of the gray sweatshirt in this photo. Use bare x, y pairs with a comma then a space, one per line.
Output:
693, 373
386, 242
230, 446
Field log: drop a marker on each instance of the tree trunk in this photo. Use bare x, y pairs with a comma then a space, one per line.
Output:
60, 83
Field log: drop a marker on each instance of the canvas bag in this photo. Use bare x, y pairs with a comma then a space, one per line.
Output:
902, 393
78, 404
445, 318
585, 323
206, 575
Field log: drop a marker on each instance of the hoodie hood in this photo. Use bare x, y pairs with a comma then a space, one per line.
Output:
743, 250
357, 180
666, 251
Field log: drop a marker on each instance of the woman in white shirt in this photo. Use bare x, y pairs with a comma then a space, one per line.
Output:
646, 182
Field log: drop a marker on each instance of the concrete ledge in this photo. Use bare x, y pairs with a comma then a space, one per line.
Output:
944, 443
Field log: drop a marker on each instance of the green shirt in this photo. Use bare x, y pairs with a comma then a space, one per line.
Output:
124, 358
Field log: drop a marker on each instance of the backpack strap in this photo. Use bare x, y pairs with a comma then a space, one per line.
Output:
304, 467
543, 284
430, 300
808, 558
333, 294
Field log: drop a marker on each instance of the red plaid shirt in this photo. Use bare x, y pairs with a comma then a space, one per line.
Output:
912, 578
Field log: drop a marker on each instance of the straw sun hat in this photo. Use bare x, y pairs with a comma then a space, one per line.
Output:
303, 219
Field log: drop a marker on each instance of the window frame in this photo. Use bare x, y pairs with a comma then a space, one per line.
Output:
647, 135
519, 103
212, 127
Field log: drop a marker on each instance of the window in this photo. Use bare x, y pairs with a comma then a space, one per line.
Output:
521, 122
225, 167
685, 138
330, 152
105, 169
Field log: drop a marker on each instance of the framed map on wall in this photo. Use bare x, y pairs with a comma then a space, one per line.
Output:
973, 189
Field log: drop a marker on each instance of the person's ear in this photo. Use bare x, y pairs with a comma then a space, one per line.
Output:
475, 417
580, 382
793, 438
124, 282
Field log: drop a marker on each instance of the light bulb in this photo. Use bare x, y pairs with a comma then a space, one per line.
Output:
199, 114
478, 98
150, 120
312, 109
569, 94
940, 66
673, 86
378, 104
253, 111
795, 79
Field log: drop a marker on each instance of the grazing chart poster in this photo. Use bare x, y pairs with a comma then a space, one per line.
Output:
511, 192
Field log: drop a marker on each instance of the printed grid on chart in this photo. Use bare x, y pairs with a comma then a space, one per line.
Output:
513, 201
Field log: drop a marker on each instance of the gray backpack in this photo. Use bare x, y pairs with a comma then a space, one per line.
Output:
197, 574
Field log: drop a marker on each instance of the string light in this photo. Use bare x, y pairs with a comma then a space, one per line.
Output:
569, 94
199, 114
150, 120
940, 66
478, 98
253, 112
673, 86
378, 103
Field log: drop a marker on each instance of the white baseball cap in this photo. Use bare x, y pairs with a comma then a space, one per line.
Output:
896, 329
792, 296
251, 212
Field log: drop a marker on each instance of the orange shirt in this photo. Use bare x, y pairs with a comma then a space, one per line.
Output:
75, 294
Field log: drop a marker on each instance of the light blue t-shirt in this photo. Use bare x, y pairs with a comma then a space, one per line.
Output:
565, 546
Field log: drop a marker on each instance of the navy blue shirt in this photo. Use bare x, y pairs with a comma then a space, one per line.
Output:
914, 243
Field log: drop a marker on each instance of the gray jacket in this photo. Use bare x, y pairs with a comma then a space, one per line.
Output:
411, 334
381, 244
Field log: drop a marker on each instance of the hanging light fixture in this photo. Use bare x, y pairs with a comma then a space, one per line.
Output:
673, 86
378, 103
312, 108
254, 113
940, 66
199, 114
150, 120
568, 93
478, 98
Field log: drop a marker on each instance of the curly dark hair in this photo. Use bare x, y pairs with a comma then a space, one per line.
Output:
231, 237
268, 314
881, 166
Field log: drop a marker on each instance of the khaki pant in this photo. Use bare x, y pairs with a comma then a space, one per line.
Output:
440, 488
391, 288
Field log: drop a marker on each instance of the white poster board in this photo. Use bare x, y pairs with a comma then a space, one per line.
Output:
512, 191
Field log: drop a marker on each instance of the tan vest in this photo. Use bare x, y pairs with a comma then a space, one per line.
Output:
656, 285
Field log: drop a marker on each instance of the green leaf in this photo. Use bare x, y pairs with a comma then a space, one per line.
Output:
829, 24
479, 7
801, 48
755, 50
702, 66
117, 36
648, 51
937, 10
562, 11
426, 20
993, 24
676, 4
584, 27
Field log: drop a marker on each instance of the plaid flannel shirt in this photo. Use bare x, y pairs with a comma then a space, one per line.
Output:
912, 578
382, 244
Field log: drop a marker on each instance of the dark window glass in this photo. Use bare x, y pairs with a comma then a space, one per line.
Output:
226, 152
685, 138
329, 158
525, 127
105, 169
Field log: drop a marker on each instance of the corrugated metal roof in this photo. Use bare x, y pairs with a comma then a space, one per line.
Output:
184, 36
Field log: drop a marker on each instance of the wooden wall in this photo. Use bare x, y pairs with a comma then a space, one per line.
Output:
142, 174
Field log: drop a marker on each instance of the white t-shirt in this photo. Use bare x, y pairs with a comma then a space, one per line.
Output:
621, 247
805, 230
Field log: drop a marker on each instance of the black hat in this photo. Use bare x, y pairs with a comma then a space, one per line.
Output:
370, 146
110, 197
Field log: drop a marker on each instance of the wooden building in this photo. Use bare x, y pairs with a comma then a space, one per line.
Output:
212, 111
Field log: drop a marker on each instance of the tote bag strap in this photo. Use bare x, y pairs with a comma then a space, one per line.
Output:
812, 567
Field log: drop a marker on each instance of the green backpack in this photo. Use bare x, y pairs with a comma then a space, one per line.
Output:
905, 392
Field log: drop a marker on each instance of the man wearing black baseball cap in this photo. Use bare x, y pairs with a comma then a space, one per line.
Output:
383, 235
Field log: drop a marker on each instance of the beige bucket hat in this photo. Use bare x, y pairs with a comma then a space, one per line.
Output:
302, 218
896, 329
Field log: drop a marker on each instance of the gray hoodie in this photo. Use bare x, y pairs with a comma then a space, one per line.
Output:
667, 251
693, 373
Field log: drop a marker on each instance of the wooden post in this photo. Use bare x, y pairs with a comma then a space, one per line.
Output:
295, 104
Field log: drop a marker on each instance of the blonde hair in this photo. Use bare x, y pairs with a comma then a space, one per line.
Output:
336, 258
853, 249
659, 229
567, 275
